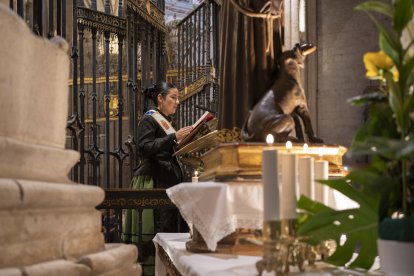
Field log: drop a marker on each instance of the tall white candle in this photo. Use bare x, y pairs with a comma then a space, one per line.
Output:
321, 172
271, 211
289, 182
305, 176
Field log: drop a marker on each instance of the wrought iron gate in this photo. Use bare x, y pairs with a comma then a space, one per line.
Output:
117, 48
106, 136
198, 62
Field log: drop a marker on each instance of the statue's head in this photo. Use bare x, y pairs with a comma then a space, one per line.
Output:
294, 59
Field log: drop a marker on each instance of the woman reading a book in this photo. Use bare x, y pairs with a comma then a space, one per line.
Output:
157, 138
158, 168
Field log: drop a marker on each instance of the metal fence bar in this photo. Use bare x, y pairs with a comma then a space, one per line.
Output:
51, 20
120, 153
82, 95
20, 8
199, 33
63, 22
59, 18
94, 149
107, 98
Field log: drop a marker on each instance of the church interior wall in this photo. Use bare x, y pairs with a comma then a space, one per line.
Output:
343, 36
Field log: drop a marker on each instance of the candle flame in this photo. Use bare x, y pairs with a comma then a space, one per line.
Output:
289, 145
320, 152
305, 148
195, 173
270, 139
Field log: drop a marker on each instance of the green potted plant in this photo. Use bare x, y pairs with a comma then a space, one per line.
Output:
384, 189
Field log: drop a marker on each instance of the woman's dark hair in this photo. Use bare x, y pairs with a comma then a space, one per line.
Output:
154, 90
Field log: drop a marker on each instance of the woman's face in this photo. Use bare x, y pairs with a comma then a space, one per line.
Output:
168, 104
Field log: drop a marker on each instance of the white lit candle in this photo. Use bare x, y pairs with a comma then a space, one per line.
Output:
271, 207
289, 182
194, 179
305, 148
270, 139
320, 153
305, 176
289, 146
321, 173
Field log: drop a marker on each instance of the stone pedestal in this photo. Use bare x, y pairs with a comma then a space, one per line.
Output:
49, 225
54, 229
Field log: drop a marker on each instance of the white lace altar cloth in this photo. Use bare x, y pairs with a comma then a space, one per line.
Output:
218, 209
213, 264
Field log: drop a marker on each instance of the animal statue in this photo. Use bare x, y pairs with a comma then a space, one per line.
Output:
280, 110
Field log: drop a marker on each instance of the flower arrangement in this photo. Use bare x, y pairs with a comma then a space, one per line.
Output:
384, 189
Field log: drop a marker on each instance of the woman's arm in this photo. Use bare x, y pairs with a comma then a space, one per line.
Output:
148, 144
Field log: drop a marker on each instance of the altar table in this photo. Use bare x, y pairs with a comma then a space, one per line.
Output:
172, 256
218, 209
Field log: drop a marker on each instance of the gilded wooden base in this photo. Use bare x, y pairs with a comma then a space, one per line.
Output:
243, 161
237, 243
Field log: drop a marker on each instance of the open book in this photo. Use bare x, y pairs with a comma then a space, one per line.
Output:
207, 116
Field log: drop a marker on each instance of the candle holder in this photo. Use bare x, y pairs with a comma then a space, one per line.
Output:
283, 250
272, 260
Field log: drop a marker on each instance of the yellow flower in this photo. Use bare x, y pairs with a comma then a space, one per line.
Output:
376, 62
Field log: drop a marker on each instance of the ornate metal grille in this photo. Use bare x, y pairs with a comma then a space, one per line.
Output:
198, 57
117, 48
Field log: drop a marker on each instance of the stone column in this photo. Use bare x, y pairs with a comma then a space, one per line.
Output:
49, 225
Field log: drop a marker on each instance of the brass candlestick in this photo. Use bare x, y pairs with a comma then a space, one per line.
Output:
271, 260
282, 249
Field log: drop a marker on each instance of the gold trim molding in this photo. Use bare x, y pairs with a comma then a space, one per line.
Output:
193, 88
101, 21
145, 202
150, 12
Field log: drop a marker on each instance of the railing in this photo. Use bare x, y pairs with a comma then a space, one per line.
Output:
198, 61
118, 201
120, 101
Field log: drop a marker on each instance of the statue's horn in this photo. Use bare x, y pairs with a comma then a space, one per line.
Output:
307, 49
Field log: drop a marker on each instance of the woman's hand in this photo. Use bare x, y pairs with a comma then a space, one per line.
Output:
180, 134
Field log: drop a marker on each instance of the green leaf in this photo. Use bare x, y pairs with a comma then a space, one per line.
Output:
406, 70
367, 98
396, 101
406, 75
391, 50
333, 224
358, 224
361, 178
406, 150
314, 206
403, 13
379, 123
344, 252
389, 41
366, 183
384, 147
368, 248
376, 6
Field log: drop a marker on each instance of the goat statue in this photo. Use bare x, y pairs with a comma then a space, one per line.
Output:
280, 110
